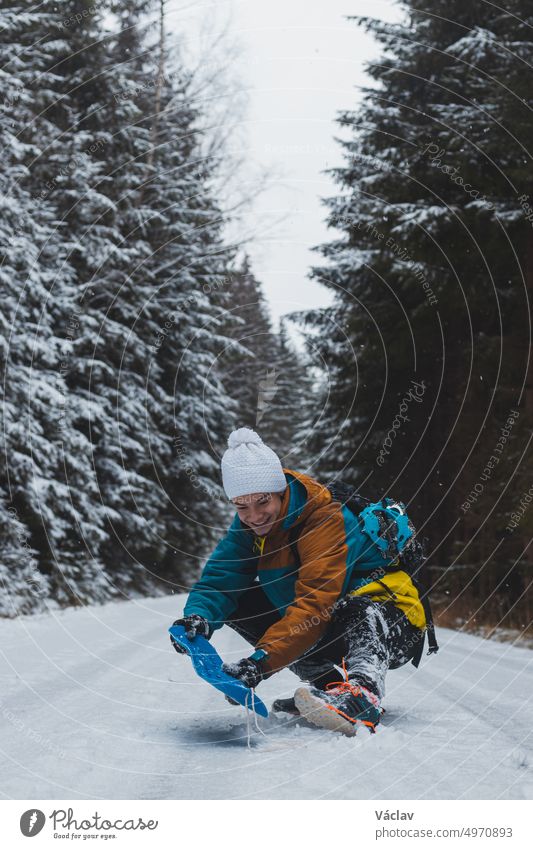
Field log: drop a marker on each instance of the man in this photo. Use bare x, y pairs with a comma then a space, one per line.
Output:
292, 576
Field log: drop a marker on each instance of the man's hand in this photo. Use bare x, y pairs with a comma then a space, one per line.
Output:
249, 670
194, 625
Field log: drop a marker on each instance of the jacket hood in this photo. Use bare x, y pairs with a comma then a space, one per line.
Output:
302, 496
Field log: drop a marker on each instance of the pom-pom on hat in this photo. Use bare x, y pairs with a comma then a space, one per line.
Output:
250, 466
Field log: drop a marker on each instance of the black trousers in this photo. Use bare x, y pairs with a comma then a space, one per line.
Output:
369, 637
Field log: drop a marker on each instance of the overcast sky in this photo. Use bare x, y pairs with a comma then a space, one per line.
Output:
300, 62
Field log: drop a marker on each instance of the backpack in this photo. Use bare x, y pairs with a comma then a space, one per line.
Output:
388, 525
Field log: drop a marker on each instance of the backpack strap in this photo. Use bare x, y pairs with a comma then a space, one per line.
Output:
433, 646
392, 596
414, 558
432, 639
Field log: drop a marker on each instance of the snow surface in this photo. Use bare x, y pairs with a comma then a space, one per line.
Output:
95, 703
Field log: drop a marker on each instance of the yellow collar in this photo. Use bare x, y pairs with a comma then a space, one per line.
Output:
259, 543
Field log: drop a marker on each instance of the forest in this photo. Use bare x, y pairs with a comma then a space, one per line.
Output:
135, 334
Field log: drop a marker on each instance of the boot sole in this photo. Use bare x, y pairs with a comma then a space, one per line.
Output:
315, 711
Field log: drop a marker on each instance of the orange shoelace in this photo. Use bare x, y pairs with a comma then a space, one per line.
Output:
338, 687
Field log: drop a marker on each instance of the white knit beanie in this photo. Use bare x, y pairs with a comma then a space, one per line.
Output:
250, 466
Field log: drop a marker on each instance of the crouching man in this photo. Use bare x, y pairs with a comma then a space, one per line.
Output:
293, 576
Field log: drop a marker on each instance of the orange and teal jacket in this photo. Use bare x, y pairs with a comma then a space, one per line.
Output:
332, 549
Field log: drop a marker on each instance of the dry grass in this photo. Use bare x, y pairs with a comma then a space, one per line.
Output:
486, 626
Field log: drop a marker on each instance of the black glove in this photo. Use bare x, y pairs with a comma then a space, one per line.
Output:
247, 670
194, 625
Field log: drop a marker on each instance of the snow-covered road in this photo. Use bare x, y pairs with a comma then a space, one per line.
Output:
94, 703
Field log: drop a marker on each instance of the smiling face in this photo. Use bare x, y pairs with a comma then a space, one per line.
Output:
259, 510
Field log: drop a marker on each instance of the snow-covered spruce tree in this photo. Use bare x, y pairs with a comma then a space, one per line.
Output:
26, 383
24, 587
129, 444
133, 409
292, 402
185, 316
121, 205
496, 114
331, 440
430, 262
34, 279
267, 376
70, 173
85, 490
250, 373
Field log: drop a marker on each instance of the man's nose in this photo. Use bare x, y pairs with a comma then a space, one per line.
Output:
257, 516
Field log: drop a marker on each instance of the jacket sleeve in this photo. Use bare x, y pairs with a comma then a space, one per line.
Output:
230, 571
323, 551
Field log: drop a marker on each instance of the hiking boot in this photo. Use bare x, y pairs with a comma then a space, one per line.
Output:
341, 707
285, 706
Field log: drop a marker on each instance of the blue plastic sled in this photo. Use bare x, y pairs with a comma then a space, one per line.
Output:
208, 665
